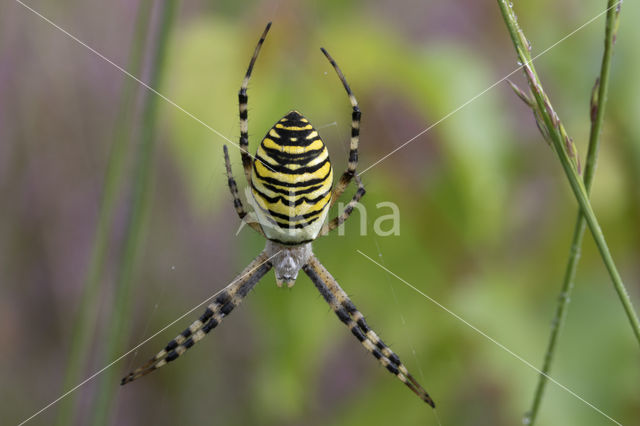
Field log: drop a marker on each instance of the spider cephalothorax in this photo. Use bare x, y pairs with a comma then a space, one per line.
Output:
292, 185
287, 261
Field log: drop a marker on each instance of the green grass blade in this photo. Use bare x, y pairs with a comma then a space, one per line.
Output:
560, 144
116, 338
87, 315
598, 104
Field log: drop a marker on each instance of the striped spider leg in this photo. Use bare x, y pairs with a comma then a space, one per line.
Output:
243, 101
223, 304
346, 177
352, 318
352, 164
233, 188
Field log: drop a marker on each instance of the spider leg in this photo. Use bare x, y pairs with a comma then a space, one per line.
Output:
233, 187
242, 105
355, 135
339, 220
352, 318
224, 303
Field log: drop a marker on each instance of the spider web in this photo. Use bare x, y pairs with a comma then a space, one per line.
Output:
405, 328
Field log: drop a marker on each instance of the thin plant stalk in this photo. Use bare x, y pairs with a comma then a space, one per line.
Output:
117, 335
563, 145
597, 108
87, 315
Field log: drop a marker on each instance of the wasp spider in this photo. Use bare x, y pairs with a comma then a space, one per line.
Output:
291, 183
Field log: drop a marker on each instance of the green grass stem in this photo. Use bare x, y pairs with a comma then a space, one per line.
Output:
116, 338
563, 147
597, 108
86, 317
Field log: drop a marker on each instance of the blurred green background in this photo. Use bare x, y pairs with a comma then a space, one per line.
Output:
486, 213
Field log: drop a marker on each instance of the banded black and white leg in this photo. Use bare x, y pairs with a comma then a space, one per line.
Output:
223, 304
344, 215
352, 318
243, 100
346, 177
233, 188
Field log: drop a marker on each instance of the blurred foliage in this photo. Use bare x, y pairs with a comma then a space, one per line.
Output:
486, 215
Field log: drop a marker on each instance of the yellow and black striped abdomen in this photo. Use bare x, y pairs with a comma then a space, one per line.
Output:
291, 181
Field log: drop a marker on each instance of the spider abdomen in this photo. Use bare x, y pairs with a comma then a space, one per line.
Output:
291, 181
